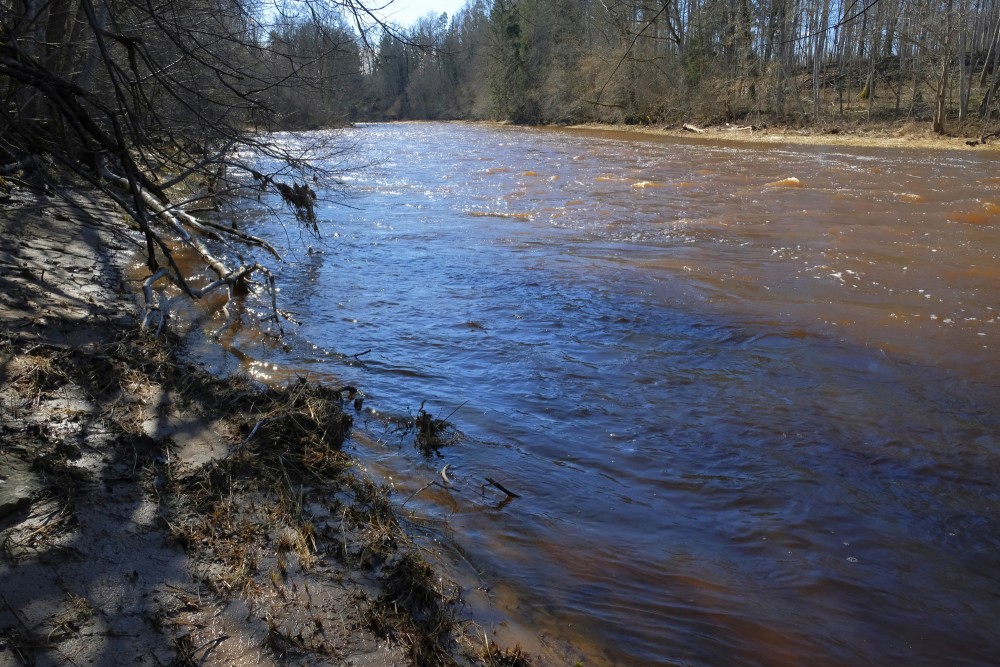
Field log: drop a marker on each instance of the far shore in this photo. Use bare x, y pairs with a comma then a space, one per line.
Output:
875, 135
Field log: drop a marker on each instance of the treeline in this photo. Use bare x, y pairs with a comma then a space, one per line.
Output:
649, 61
166, 66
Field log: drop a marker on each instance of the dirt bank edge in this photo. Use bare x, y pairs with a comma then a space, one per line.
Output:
908, 135
151, 513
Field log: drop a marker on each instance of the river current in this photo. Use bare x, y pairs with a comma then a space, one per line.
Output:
747, 395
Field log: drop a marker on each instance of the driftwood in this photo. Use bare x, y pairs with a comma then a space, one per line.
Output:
982, 140
23, 163
492, 482
182, 223
688, 127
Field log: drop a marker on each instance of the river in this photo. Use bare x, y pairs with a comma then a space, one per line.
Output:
747, 395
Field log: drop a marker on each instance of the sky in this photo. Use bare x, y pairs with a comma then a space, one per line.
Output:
406, 12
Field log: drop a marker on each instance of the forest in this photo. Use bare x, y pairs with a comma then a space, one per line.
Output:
801, 62
303, 63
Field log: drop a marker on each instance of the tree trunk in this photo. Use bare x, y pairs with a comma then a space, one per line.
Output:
990, 55
964, 74
941, 96
940, 106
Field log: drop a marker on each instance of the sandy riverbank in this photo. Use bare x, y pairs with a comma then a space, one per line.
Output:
867, 135
151, 513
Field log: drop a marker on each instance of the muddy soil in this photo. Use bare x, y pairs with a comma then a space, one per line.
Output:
153, 514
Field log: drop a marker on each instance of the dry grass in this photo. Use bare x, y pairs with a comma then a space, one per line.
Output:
257, 522
494, 656
432, 434
44, 530
34, 373
250, 513
75, 614
907, 134
416, 609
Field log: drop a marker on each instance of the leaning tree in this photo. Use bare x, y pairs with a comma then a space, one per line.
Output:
138, 96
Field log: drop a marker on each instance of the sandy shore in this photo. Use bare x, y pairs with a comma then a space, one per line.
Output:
153, 514
907, 135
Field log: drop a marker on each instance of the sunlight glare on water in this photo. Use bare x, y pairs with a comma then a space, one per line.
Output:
747, 394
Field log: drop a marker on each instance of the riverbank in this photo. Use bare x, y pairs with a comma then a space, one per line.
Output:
152, 513
864, 135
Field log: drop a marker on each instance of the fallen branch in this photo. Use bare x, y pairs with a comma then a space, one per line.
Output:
982, 140
493, 482
174, 219
419, 491
7, 169
179, 221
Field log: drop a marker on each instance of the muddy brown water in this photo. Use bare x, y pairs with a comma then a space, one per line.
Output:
747, 395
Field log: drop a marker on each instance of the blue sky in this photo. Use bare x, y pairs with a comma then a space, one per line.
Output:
406, 12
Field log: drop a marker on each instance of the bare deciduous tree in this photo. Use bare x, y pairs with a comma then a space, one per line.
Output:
137, 97
801, 61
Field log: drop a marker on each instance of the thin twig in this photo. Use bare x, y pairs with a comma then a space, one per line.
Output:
16, 613
445, 420
420, 490
503, 488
